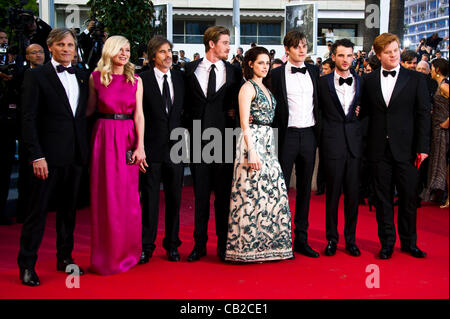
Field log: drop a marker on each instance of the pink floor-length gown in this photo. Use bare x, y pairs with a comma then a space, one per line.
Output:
115, 207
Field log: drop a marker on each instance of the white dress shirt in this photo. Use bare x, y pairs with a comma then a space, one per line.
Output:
345, 92
70, 84
160, 79
202, 74
300, 91
388, 83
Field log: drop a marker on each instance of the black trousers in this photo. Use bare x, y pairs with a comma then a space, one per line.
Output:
8, 147
300, 149
320, 179
342, 173
23, 184
207, 178
386, 173
64, 183
171, 175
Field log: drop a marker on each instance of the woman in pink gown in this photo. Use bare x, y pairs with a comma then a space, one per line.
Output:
116, 94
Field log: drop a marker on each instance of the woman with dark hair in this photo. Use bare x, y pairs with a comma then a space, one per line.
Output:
438, 165
259, 226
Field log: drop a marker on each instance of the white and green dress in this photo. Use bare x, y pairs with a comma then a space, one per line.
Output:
259, 225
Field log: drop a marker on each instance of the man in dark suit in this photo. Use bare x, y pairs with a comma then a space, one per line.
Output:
54, 133
396, 102
297, 118
162, 104
212, 87
340, 144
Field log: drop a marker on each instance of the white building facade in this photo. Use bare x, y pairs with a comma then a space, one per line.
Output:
262, 21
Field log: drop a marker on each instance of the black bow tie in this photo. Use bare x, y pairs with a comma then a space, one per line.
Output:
301, 70
348, 80
61, 68
386, 73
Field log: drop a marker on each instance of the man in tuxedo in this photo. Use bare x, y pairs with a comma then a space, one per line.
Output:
340, 144
297, 118
396, 102
54, 133
162, 103
212, 87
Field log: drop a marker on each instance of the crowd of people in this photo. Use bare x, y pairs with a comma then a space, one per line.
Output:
372, 113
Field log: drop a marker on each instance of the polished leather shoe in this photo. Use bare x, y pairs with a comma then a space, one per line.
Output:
29, 277
145, 257
197, 253
386, 252
353, 250
415, 252
330, 250
305, 249
173, 254
61, 265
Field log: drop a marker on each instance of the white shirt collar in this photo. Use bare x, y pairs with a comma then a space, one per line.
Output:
55, 64
159, 74
289, 65
337, 76
219, 64
397, 69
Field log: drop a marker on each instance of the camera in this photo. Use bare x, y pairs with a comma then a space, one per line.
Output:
4, 54
18, 17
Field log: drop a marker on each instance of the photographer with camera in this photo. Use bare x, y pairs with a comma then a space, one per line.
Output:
238, 58
91, 41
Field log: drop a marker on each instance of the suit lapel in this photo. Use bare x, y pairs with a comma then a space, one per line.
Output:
334, 95
57, 85
402, 79
82, 92
283, 85
355, 97
192, 74
378, 91
157, 92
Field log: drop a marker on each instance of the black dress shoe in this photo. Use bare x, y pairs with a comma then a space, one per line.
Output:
330, 250
320, 192
415, 252
173, 254
386, 252
61, 265
145, 257
6, 221
305, 249
353, 250
29, 277
197, 253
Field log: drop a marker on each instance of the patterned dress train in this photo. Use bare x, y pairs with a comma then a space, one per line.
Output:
259, 225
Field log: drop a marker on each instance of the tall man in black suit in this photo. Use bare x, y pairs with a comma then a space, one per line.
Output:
396, 102
295, 86
162, 104
341, 144
54, 133
212, 87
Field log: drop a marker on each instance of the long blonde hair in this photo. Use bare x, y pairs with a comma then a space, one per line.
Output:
111, 48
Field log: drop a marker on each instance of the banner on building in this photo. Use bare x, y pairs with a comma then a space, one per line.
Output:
162, 23
303, 17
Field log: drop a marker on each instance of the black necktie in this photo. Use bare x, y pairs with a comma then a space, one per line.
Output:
348, 80
166, 94
211, 82
386, 73
301, 70
61, 68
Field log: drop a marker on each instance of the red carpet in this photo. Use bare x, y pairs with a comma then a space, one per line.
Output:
341, 276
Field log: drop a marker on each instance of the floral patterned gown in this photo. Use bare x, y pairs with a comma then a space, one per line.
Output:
259, 225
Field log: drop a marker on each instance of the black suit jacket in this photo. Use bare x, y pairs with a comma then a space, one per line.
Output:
49, 127
405, 123
213, 111
340, 132
278, 83
159, 124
